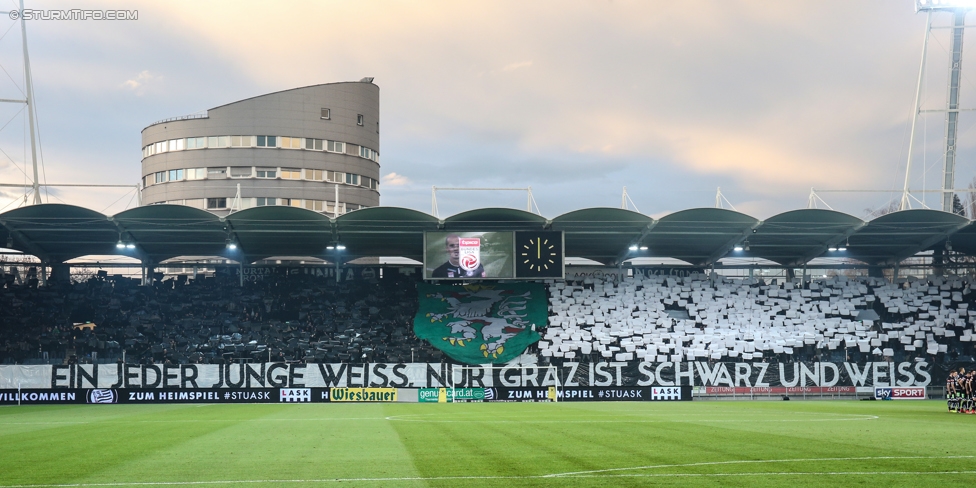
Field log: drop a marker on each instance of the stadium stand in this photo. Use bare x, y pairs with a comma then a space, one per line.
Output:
212, 320
657, 319
722, 319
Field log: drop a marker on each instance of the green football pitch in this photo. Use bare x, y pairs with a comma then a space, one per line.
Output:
798, 443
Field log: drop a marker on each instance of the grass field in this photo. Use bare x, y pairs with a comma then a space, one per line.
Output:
908, 443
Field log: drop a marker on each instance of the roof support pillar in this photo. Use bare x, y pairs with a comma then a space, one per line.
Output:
725, 248
25, 243
647, 230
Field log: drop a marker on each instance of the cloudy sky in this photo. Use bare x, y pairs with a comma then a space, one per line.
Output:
576, 99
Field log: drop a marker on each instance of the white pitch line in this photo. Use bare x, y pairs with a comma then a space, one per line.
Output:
124, 421
414, 418
577, 474
458, 478
748, 461
398, 418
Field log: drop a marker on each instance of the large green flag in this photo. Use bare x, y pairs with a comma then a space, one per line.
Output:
479, 324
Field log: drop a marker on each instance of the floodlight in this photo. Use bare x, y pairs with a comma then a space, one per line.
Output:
832, 249
120, 245
340, 247
130, 246
737, 248
935, 5
633, 248
643, 248
330, 247
841, 249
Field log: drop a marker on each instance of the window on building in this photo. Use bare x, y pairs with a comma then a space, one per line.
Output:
326, 114
313, 174
159, 147
352, 179
267, 172
175, 174
148, 180
217, 172
264, 202
365, 152
291, 173
196, 173
315, 205
267, 141
291, 142
215, 203
330, 207
218, 141
292, 202
240, 172
336, 146
175, 144
359, 119
241, 141
161, 177
335, 176
315, 144
196, 142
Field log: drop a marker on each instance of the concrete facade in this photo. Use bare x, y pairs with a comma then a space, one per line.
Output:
294, 169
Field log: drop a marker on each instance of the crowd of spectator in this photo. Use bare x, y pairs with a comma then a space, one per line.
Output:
300, 317
279, 317
715, 318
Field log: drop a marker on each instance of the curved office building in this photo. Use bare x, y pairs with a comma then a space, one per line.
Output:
315, 147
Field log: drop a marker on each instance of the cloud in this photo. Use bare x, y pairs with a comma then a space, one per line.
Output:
394, 179
138, 83
606, 94
515, 66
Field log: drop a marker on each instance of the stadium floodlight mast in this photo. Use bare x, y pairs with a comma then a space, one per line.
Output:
959, 9
935, 5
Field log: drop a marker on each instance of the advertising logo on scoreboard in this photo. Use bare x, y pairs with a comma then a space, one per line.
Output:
900, 393
363, 394
469, 255
103, 396
295, 395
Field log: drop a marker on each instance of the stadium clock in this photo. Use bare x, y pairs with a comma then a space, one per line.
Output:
539, 254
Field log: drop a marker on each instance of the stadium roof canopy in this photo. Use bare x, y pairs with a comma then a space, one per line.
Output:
56, 233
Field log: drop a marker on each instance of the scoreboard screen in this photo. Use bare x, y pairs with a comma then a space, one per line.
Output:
493, 255
539, 255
